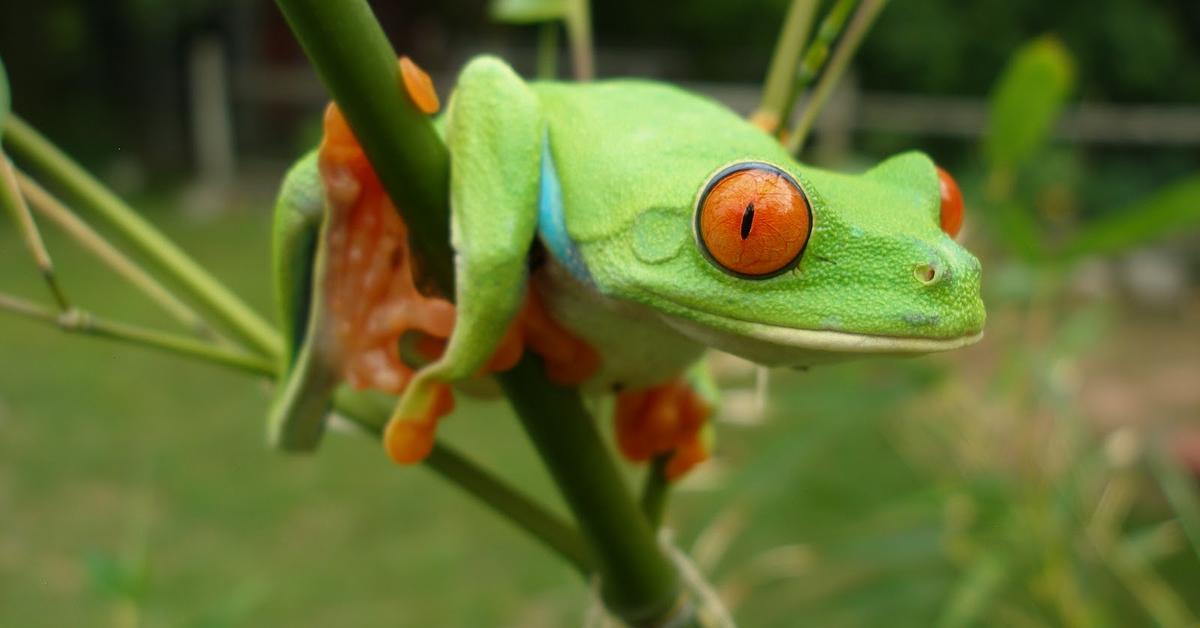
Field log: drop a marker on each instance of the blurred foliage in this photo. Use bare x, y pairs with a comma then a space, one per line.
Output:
1027, 100
527, 11
5, 101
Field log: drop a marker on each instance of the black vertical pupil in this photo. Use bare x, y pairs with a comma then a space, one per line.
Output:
747, 220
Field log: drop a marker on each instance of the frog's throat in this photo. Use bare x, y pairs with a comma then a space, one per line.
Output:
552, 223
790, 346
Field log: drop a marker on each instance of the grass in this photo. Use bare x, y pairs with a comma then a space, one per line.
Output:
135, 490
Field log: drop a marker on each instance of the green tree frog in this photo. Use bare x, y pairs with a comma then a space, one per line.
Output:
617, 229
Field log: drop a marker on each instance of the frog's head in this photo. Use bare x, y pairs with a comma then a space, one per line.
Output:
790, 265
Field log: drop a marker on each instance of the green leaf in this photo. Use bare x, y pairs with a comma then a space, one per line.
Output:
1182, 495
528, 11
5, 98
1171, 209
1027, 100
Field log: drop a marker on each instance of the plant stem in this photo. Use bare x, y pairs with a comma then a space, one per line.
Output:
85, 236
356, 63
79, 321
354, 59
814, 56
578, 20
231, 312
654, 491
844, 50
781, 76
14, 205
548, 528
638, 583
547, 53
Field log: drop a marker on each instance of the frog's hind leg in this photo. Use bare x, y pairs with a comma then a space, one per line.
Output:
670, 419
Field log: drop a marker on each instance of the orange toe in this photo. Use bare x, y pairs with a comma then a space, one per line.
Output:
408, 440
661, 420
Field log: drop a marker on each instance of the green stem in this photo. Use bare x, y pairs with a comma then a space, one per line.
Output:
85, 236
451, 466
578, 21
815, 55
79, 321
656, 489
548, 528
357, 65
547, 54
637, 582
231, 312
14, 205
842, 53
781, 76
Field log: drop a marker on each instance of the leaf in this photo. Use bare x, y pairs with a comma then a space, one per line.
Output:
528, 11
1170, 209
1027, 100
5, 98
1182, 494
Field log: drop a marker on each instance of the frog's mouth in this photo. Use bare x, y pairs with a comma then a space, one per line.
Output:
789, 346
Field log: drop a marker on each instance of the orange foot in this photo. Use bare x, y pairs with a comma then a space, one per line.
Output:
661, 420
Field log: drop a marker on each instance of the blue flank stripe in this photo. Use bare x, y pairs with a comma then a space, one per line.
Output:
552, 224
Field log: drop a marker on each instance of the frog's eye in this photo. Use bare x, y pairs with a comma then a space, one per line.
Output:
952, 204
753, 220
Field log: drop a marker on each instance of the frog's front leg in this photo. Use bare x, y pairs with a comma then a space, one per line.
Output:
670, 419
494, 132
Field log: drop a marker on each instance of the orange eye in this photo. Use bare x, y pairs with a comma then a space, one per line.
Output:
952, 204
753, 220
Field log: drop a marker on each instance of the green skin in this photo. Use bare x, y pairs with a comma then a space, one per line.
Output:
878, 275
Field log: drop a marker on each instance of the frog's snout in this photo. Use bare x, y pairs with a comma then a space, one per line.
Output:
946, 282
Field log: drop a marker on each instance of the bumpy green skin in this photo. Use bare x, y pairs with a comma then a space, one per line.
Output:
632, 158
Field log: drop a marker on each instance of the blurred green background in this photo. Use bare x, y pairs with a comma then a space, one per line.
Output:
1046, 477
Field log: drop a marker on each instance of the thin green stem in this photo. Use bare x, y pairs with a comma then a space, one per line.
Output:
233, 315
81, 322
517, 507
14, 205
846, 46
578, 21
781, 76
547, 53
656, 489
129, 270
815, 55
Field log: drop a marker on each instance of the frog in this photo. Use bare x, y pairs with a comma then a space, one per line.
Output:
619, 230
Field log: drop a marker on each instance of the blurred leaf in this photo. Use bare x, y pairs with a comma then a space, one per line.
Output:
1027, 100
528, 11
1182, 494
1173, 208
5, 98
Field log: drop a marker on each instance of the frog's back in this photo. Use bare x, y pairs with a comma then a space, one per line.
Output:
611, 141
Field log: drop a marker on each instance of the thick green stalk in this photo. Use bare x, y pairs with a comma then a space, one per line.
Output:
78, 321
231, 312
842, 53
358, 66
655, 489
354, 59
781, 76
638, 583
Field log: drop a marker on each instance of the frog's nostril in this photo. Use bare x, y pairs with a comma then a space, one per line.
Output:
927, 274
